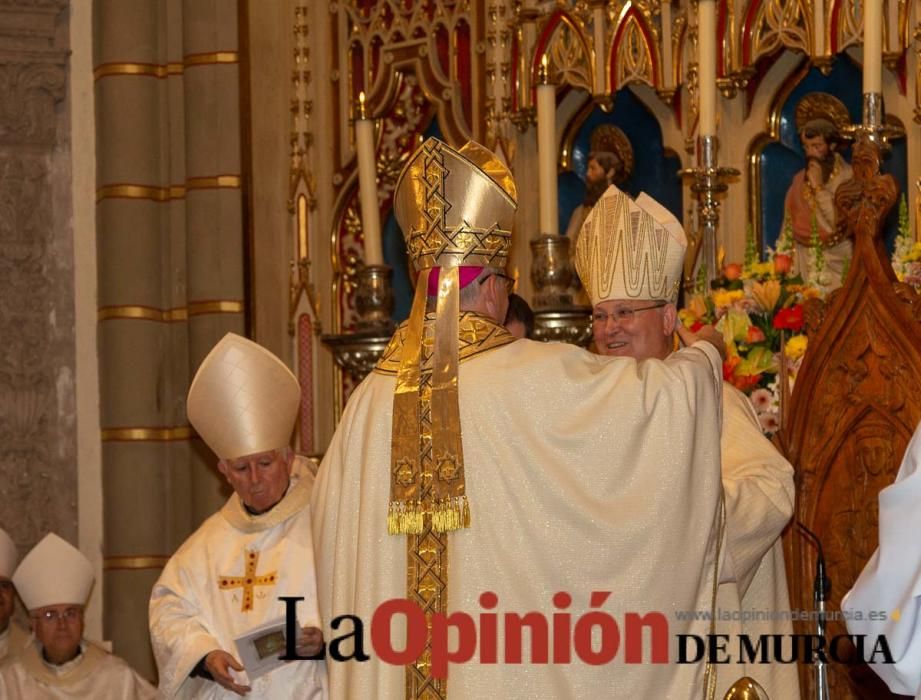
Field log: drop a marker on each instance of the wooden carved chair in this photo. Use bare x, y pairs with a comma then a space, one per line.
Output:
856, 403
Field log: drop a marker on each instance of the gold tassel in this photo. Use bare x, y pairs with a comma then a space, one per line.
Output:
451, 514
405, 518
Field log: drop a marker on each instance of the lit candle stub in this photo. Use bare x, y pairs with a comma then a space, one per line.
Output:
872, 46
367, 185
546, 153
706, 66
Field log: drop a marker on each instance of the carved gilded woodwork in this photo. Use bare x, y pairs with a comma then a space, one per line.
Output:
771, 25
856, 403
634, 56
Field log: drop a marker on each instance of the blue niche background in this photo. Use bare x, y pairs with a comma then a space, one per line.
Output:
395, 252
782, 159
654, 172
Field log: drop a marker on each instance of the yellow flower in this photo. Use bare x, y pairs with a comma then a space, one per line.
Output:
723, 297
687, 317
766, 294
811, 293
697, 306
914, 255
734, 326
763, 269
795, 347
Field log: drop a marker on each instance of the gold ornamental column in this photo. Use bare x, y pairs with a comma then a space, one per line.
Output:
169, 245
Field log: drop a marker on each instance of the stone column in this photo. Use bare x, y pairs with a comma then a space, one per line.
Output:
169, 238
38, 475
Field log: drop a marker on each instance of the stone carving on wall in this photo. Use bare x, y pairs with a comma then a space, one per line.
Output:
38, 478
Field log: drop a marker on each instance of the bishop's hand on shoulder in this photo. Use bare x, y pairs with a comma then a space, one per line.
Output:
708, 334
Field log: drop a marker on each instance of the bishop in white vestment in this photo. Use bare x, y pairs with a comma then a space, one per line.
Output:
638, 322
475, 473
54, 582
12, 637
229, 577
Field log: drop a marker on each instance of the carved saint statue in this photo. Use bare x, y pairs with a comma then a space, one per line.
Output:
821, 255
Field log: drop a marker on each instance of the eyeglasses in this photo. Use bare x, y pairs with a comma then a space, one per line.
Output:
68, 615
624, 315
509, 281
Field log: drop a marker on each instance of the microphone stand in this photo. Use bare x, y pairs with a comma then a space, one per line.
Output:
820, 591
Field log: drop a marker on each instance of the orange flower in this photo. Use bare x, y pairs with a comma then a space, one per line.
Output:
755, 335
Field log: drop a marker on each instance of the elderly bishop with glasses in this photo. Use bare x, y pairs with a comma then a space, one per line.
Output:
627, 256
54, 582
473, 472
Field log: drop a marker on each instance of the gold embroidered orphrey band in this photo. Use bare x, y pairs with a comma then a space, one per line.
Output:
427, 551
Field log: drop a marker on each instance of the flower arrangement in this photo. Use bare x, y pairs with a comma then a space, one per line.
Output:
906, 258
758, 307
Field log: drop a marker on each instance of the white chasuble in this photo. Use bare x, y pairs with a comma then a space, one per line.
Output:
886, 599
584, 474
12, 641
758, 486
227, 579
95, 673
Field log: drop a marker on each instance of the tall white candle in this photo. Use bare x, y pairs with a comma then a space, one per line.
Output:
367, 186
600, 48
706, 66
872, 46
546, 154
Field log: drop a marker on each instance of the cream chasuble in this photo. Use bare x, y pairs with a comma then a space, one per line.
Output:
583, 473
12, 641
225, 580
758, 485
888, 589
95, 674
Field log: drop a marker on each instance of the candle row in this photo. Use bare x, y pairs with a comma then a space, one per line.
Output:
546, 120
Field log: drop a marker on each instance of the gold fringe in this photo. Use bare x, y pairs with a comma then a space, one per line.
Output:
405, 518
451, 514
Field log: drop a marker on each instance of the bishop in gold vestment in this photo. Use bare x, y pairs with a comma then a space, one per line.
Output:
563, 472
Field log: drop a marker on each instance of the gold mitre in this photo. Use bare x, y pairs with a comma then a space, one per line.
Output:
53, 573
455, 207
630, 249
243, 399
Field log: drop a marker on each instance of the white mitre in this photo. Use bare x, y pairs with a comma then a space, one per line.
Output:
53, 573
630, 249
8, 555
243, 399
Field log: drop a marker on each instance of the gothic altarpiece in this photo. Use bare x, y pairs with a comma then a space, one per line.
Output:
627, 71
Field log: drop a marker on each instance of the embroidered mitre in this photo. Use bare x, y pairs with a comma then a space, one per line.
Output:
455, 207
630, 249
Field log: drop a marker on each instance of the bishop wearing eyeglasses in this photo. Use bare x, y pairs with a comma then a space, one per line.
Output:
54, 582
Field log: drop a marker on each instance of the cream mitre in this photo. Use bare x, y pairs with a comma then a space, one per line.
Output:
53, 573
8, 555
243, 399
630, 249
